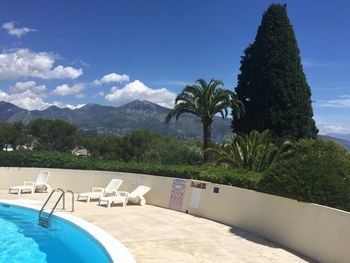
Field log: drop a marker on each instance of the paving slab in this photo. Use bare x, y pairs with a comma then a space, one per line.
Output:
155, 234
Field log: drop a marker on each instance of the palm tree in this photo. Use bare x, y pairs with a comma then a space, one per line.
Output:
255, 151
205, 100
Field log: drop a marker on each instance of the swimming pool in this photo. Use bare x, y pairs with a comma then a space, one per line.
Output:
23, 240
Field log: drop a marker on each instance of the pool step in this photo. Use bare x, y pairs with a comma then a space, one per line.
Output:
44, 222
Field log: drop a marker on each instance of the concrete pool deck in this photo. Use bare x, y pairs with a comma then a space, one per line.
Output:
154, 234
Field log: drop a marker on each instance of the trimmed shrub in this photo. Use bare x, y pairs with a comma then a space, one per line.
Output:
220, 175
318, 172
229, 176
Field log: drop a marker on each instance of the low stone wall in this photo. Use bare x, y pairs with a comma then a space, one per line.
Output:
318, 232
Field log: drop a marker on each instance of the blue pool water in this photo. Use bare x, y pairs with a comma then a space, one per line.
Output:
23, 240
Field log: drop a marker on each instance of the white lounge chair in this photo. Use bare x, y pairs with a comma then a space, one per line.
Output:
136, 197
98, 192
40, 183
120, 197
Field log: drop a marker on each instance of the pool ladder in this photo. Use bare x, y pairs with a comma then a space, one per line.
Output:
45, 221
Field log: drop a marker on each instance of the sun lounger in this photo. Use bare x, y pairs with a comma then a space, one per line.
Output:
136, 197
98, 192
39, 184
119, 198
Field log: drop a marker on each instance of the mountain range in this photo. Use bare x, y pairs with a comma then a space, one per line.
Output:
343, 142
340, 136
96, 119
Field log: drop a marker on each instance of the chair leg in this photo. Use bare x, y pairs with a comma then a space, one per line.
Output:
143, 201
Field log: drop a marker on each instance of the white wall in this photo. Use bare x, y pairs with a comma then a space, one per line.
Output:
318, 232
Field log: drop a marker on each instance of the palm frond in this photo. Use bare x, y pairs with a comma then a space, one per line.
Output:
255, 151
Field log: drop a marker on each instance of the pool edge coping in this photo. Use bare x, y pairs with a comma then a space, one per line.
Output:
115, 249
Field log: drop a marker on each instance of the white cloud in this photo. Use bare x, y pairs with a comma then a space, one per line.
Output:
26, 63
31, 101
3, 96
137, 90
64, 90
73, 107
101, 94
20, 87
343, 102
79, 62
344, 96
112, 78
18, 32
327, 129
27, 95
80, 95
26, 100
61, 105
172, 83
312, 63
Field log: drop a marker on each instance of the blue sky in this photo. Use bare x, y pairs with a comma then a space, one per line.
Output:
69, 53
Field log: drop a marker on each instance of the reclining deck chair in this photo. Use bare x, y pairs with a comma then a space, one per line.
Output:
136, 197
99, 192
40, 183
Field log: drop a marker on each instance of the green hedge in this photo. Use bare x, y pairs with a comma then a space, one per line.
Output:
317, 172
229, 176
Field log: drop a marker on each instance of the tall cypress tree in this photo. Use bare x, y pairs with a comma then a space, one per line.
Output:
272, 83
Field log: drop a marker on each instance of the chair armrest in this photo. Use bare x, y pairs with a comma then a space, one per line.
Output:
31, 184
48, 187
122, 193
98, 189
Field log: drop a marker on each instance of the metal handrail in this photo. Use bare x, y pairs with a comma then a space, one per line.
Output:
59, 199
62, 195
64, 199
47, 200
71, 192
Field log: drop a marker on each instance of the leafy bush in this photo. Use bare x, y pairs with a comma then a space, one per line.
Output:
143, 146
68, 161
136, 146
55, 135
167, 150
255, 151
229, 176
318, 171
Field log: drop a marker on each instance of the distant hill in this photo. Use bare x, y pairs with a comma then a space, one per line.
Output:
97, 119
340, 136
344, 143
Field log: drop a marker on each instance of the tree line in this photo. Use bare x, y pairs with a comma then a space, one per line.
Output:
40, 134
137, 146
